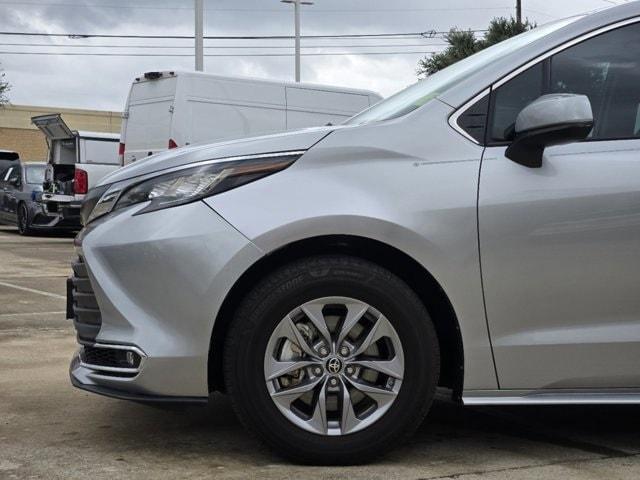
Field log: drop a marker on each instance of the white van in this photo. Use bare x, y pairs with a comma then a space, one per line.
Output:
77, 161
176, 108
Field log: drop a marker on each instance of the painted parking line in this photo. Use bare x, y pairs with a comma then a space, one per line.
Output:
9, 276
8, 315
33, 290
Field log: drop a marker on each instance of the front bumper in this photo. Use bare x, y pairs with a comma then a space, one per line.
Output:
56, 216
154, 285
89, 385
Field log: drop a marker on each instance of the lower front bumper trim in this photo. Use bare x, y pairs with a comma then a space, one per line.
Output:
135, 397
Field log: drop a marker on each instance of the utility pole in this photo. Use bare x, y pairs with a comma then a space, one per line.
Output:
519, 11
199, 32
296, 12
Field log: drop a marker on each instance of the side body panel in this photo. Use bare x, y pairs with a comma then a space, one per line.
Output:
98, 158
560, 258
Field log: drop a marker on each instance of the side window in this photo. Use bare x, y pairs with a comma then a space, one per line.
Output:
7, 174
605, 68
13, 175
510, 98
474, 119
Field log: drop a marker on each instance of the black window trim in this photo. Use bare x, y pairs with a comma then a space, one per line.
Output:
453, 118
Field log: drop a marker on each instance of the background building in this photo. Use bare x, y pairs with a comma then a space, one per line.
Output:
18, 134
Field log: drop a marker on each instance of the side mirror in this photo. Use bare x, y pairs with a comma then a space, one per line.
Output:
553, 119
15, 181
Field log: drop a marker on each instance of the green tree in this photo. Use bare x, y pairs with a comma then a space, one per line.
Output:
464, 43
4, 89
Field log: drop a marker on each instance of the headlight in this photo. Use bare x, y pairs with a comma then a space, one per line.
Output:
190, 183
90, 201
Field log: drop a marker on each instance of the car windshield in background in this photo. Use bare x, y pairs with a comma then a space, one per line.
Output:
35, 174
420, 93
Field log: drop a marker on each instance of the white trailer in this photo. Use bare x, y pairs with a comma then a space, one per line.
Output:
176, 108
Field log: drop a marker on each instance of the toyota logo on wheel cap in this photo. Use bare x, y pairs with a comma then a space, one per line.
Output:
334, 365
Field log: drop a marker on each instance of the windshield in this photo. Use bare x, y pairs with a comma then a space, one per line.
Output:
35, 174
420, 93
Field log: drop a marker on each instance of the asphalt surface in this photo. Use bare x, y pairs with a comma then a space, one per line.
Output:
50, 430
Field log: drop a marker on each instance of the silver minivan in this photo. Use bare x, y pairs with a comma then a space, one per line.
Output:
475, 235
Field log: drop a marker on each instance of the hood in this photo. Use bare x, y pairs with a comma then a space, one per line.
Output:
280, 142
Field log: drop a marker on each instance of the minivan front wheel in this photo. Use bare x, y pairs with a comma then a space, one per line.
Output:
332, 360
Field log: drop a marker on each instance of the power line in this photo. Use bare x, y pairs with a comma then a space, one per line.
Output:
425, 34
220, 46
538, 12
256, 10
211, 54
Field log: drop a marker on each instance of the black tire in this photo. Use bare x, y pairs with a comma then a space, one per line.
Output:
24, 220
302, 281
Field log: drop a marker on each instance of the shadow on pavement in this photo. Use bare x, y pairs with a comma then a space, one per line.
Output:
606, 431
10, 230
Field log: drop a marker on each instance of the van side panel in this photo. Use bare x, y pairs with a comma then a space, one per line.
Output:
208, 119
310, 107
234, 90
210, 108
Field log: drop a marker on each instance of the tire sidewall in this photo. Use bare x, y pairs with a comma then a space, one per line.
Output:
23, 217
364, 282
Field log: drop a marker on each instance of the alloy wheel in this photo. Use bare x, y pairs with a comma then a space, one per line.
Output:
334, 365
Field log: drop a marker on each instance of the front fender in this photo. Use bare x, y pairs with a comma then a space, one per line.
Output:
425, 209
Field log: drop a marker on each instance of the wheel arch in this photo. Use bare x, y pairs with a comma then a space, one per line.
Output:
411, 271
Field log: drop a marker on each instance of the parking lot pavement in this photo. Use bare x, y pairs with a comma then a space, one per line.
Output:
50, 430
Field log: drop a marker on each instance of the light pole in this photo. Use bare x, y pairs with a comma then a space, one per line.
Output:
199, 14
296, 10
519, 11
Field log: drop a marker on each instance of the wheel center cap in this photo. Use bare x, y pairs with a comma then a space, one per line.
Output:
334, 365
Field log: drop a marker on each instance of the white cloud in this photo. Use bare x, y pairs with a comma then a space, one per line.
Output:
384, 74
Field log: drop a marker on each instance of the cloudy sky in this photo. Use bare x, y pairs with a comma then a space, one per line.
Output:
102, 82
